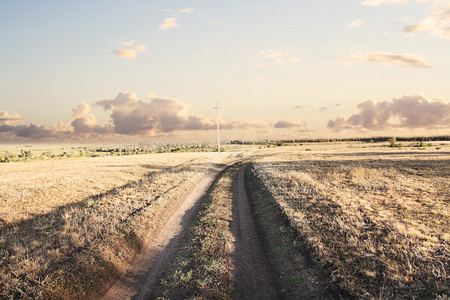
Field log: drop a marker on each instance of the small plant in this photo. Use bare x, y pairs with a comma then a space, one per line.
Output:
422, 144
392, 142
26, 154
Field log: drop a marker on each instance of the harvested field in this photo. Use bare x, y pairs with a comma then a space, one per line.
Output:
67, 226
377, 221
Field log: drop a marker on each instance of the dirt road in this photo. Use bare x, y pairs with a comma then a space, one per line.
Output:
252, 279
142, 277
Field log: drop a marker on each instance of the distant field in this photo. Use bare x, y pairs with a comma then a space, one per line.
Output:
377, 219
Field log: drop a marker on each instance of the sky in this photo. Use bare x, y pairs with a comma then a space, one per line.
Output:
154, 71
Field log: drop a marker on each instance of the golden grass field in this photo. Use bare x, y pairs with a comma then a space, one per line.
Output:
67, 222
377, 219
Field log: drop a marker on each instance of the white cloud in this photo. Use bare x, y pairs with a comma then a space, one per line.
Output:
7, 119
280, 58
355, 24
133, 116
275, 54
408, 111
412, 60
169, 23
187, 10
133, 50
437, 23
130, 116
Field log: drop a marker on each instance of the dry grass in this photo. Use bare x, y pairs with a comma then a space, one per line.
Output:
67, 226
379, 221
202, 267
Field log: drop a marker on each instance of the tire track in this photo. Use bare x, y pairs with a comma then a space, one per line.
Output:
251, 276
142, 277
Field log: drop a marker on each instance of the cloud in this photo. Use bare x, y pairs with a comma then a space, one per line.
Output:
408, 111
82, 126
187, 10
326, 108
34, 132
299, 126
437, 23
244, 125
381, 2
7, 119
355, 24
84, 123
411, 60
277, 57
274, 54
133, 50
130, 116
169, 23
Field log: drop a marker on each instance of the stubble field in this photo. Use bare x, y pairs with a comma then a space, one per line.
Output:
377, 221
66, 223
374, 218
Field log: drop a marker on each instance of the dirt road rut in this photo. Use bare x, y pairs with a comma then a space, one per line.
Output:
252, 278
142, 277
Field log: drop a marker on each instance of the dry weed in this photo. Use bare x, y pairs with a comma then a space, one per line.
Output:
378, 221
67, 226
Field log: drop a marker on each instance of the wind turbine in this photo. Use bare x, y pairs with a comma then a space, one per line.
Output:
218, 132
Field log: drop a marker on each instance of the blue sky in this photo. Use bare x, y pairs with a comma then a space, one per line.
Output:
154, 70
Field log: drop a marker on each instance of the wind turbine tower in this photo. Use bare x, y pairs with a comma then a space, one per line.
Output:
218, 132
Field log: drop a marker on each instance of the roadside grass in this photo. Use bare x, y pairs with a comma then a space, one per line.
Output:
297, 275
202, 268
377, 221
69, 228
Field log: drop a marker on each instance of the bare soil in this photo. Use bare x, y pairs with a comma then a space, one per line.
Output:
252, 278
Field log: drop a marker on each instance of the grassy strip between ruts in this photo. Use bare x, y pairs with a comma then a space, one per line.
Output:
202, 268
297, 275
